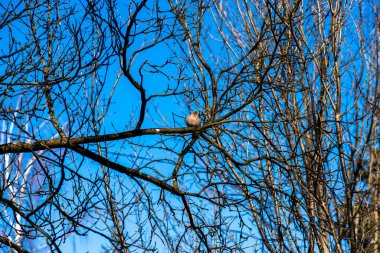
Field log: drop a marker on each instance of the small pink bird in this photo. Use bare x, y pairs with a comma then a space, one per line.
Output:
193, 120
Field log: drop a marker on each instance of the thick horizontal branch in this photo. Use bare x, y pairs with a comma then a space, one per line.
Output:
22, 147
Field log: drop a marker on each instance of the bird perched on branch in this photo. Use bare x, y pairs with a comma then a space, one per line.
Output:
193, 120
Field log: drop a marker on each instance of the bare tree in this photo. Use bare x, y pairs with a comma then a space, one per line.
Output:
94, 100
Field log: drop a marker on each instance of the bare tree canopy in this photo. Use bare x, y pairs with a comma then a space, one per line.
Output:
98, 137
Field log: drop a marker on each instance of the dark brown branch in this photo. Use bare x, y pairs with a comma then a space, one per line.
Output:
22, 147
5, 241
128, 171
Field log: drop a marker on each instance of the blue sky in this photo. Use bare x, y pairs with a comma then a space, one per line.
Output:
162, 112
